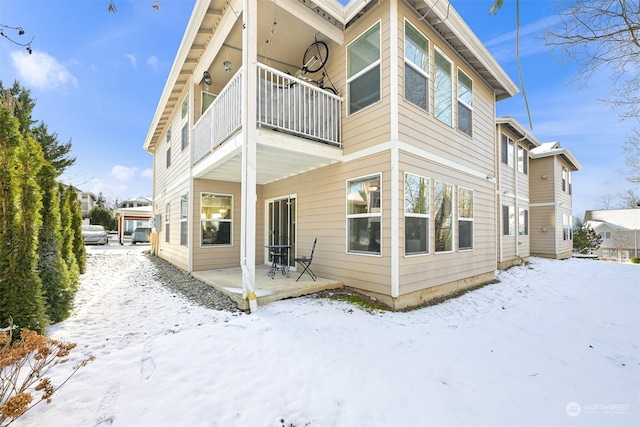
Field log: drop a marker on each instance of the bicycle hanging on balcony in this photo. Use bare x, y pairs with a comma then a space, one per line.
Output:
314, 60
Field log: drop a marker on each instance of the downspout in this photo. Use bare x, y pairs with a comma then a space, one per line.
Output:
249, 155
395, 155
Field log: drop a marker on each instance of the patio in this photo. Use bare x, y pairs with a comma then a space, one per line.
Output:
229, 282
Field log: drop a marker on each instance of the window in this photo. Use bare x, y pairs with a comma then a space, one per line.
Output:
605, 253
564, 178
185, 107
567, 229
363, 70
465, 218
364, 215
465, 103
605, 234
416, 68
216, 218
523, 222
443, 89
443, 209
568, 182
168, 156
523, 157
207, 100
167, 211
184, 208
508, 220
507, 148
169, 135
185, 136
416, 214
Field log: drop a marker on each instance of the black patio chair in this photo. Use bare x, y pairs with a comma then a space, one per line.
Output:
305, 263
280, 257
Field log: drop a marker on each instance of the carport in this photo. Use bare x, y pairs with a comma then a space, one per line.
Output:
141, 213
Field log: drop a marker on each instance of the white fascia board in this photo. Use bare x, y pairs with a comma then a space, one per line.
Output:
459, 27
564, 152
322, 25
198, 14
342, 13
519, 128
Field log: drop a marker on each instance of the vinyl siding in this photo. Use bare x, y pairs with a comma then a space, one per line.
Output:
423, 271
321, 202
422, 129
371, 125
170, 183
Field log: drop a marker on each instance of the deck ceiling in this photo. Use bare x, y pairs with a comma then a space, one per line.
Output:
275, 161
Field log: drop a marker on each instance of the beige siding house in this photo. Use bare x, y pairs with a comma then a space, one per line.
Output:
382, 146
514, 143
550, 183
619, 230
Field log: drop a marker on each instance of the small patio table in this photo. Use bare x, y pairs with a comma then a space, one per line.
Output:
280, 252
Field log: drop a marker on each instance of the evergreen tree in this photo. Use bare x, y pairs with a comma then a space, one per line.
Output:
78, 247
101, 201
54, 152
68, 195
21, 296
53, 270
585, 240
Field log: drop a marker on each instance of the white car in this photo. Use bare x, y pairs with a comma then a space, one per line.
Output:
94, 235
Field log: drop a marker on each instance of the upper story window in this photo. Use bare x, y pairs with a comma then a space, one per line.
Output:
168, 156
523, 157
443, 89
363, 70
167, 214
207, 100
465, 103
416, 214
185, 107
185, 136
507, 150
416, 69
363, 215
566, 180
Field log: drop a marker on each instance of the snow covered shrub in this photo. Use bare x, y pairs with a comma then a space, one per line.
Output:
23, 364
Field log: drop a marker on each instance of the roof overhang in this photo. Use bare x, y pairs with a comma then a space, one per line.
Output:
564, 153
455, 31
516, 128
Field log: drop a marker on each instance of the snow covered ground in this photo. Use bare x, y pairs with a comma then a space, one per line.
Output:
554, 343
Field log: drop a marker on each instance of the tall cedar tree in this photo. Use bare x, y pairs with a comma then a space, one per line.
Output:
67, 198
21, 296
79, 249
54, 273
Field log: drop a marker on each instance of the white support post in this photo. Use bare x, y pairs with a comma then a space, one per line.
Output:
249, 157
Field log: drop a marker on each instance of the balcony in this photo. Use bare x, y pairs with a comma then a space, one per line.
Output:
284, 103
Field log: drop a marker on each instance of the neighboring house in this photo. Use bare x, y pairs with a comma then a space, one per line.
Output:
514, 143
87, 201
131, 222
395, 175
550, 195
619, 229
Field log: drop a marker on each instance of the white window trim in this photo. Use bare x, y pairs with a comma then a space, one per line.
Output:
472, 219
365, 70
453, 207
222, 245
470, 107
426, 74
418, 215
435, 66
367, 215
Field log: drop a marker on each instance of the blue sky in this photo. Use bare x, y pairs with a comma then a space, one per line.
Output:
97, 77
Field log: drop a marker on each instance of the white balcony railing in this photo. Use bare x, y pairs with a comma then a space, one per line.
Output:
283, 103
